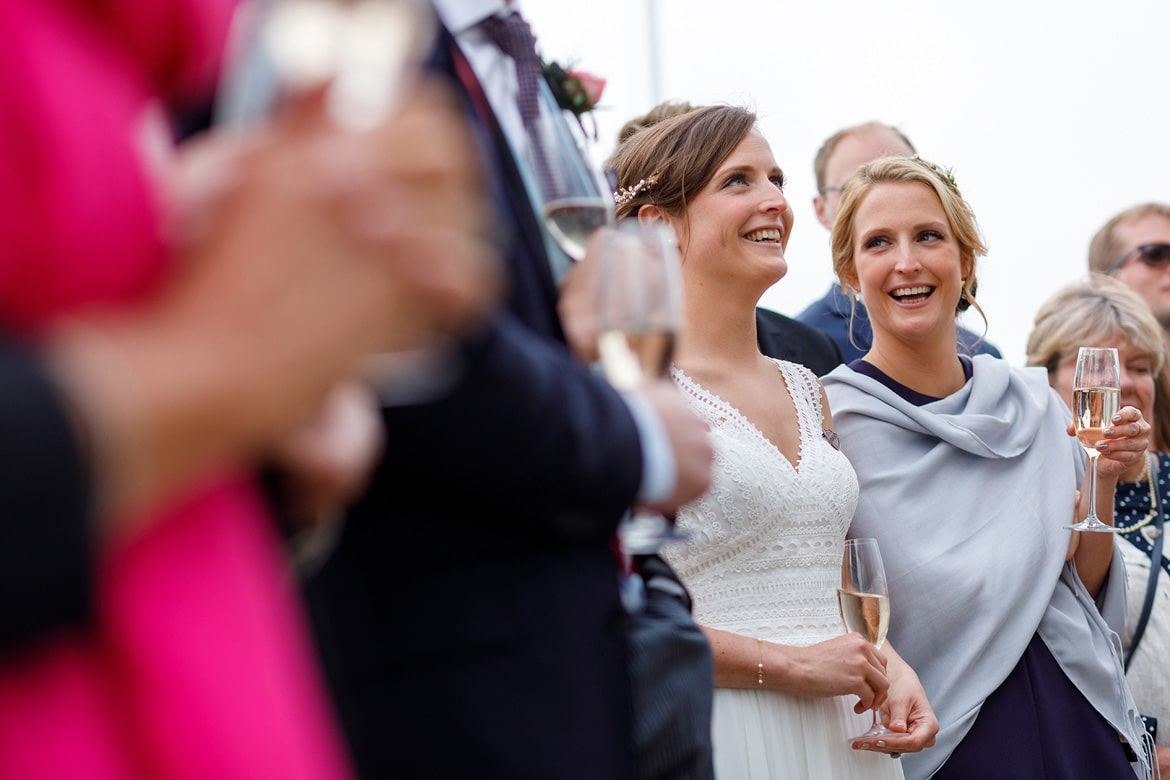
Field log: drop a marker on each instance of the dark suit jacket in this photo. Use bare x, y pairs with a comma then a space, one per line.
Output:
46, 561
788, 339
469, 620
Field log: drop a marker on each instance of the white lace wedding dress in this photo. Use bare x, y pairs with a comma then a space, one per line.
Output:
764, 560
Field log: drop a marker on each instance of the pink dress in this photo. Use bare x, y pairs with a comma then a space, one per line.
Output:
198, 663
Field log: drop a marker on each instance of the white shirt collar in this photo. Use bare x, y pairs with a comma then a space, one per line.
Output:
460, 15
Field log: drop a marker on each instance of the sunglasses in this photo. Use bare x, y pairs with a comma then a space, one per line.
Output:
1151, 255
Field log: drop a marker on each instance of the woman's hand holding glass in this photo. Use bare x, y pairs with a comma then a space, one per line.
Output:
1096, 393
1113, 439
864, 603
907, 711
863, 599
1124, 442
846, 665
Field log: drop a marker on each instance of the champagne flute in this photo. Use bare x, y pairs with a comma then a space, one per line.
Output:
1096, 398
576, 199
364, 50
572, 219
581, 203
864, 602
640, 313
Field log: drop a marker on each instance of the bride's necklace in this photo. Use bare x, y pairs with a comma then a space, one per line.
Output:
1149, 518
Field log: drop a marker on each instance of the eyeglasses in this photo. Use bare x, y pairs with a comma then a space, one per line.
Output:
831, 188
1151, 255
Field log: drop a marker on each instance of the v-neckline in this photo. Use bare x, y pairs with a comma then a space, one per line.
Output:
744, 421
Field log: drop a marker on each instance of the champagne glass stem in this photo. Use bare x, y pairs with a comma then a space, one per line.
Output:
1092, 519
1092, 522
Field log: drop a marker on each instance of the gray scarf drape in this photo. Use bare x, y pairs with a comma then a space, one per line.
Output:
969, 497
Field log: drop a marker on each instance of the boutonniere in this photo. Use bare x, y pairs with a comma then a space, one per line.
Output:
576, 91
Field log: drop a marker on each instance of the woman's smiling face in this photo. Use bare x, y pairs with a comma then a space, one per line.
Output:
907, 263
740, 220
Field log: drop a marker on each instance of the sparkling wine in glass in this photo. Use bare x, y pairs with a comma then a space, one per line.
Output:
639, 315
580, 200
571, 221
864, 602
1096, 398
640, 307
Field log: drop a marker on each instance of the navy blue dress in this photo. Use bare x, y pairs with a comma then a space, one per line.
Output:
1036, 725
1131, 509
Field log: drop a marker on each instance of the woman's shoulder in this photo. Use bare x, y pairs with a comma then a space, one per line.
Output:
800, 379
796, 369
988, 366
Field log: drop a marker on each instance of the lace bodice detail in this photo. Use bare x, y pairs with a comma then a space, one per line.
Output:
764, 554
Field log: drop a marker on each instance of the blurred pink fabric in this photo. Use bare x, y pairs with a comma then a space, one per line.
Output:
199, 664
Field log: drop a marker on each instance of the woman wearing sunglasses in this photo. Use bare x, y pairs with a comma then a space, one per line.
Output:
1134, 247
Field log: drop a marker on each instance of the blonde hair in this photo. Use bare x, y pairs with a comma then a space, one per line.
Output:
959, 215
1095, 310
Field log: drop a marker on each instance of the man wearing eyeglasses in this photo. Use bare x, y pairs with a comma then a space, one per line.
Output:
846, 320
1134, 247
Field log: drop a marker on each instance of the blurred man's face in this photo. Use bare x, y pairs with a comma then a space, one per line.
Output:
1150, 282
851, 152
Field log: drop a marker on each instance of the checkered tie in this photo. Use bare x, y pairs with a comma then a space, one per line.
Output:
514, 38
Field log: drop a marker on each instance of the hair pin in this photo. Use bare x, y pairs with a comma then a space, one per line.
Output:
626, 194
947, 173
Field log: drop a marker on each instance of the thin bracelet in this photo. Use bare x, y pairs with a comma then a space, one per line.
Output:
760, 665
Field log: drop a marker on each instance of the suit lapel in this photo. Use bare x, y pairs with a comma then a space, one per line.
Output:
532, 293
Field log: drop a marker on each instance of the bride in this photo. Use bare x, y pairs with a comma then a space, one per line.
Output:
763, 558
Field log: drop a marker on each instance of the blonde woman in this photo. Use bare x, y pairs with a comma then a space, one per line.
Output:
968, 479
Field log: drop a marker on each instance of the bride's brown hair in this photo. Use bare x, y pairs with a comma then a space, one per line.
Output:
663, 164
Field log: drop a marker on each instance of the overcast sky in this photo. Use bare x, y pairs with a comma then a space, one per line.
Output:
1054, 116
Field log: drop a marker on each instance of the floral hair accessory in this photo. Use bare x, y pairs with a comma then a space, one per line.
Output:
576, 91
625, 194
946, 173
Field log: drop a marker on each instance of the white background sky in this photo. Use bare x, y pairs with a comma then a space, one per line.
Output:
1054, 115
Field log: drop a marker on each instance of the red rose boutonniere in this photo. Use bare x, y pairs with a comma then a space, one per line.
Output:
575, 90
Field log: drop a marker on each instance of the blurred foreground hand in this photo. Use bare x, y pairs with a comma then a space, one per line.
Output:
301, 249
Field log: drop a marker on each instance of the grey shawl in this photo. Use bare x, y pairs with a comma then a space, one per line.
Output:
969, 497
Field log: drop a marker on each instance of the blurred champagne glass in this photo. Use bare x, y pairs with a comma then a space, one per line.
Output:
581, 205
639, 316
363, 53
